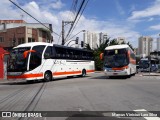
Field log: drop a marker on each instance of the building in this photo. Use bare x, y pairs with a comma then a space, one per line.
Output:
15, 32
11, 21
158, 44
144, 46
135, 51
91, 38
94, 39
3, 63
121, 40
102, 37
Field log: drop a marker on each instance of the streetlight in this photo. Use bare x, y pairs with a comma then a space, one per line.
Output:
73, 37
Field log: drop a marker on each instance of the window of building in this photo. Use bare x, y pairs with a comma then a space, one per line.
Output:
21, 41
1, 39
31, 39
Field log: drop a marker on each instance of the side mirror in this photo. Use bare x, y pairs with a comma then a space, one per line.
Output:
101, 56
25, 53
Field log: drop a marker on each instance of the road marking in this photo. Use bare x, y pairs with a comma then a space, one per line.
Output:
147, 118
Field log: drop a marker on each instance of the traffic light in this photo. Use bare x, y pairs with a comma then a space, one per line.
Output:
77, 38
82, 43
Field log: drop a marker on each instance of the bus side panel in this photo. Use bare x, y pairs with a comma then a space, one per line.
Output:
62, 68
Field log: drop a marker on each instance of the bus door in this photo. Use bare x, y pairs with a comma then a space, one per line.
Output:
35, 60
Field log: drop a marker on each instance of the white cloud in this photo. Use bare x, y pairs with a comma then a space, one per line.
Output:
153, 10
151, 19
155, 27
47, 16
119, 8
112, 29
57, 4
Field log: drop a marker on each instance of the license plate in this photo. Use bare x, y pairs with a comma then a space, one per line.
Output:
115, 73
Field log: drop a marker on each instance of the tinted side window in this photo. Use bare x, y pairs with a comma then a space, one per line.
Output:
36, 57
48, 53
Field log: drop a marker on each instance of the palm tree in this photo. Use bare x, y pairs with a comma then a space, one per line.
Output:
130, 45
87, 46
100, 49
113, 42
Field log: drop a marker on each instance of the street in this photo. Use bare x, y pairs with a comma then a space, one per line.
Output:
95, 92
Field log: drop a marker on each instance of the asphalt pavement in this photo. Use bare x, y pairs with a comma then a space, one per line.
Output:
90, 94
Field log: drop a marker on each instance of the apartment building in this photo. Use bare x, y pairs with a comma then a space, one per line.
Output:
13, 33
121, 40
145, 45
94, 39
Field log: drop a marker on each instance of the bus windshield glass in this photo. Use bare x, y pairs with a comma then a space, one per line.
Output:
17, 63
115, 58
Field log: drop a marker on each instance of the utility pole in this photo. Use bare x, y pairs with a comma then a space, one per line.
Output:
62, 32
63, 24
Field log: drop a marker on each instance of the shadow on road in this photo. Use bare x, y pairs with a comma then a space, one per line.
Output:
37, 81
20, 83
111, 78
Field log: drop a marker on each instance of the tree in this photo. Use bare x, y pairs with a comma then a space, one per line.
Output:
100, 49
113, 42
130, 45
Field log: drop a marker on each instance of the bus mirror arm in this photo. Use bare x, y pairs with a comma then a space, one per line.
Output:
101, 56
25, 53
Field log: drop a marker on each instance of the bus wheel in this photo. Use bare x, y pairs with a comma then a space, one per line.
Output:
47, 76
83, 73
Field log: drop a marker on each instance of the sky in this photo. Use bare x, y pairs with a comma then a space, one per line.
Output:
118, 18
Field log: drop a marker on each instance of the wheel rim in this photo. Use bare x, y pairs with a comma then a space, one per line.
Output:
47, 77
83, 73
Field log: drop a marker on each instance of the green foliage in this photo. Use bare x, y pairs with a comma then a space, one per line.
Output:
100, 49
129, 44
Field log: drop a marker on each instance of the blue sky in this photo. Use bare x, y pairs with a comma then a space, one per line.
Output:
118, 18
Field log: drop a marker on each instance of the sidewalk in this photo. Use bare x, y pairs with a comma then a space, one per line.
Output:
149, 74
3, 80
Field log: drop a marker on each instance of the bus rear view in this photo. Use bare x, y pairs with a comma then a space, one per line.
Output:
119, 60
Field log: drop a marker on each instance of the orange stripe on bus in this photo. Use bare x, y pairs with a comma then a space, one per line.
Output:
24, 76
121, 68
90, 70
65, 73
41, 74
71, 72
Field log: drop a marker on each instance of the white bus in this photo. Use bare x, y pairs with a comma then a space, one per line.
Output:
119, 60
38, 60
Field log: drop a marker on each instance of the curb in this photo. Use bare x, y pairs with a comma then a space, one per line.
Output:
149, 74
4, 81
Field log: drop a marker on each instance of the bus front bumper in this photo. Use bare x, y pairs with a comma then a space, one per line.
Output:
116, 73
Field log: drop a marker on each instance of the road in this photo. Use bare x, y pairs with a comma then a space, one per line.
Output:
94, 92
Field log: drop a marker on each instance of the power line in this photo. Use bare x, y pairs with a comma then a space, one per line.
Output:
75, 18
79, 17
33, 17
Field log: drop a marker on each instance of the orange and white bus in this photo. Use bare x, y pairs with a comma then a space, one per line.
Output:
119, 60
38, 60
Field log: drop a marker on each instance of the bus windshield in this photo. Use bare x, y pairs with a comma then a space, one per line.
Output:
17, 63
115, 58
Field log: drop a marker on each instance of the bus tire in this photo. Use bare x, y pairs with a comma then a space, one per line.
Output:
83, 73
47, 76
